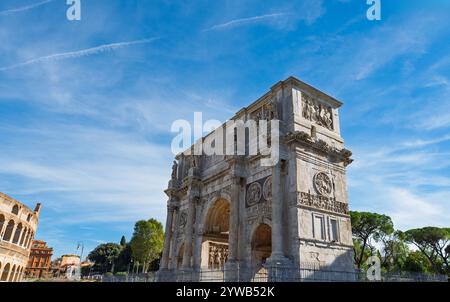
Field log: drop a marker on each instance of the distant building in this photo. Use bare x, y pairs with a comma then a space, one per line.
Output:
18, 224
70, 267
40, 260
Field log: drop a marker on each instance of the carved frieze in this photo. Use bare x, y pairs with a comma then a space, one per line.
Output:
317, 112
217, 255
322, 202
266, 112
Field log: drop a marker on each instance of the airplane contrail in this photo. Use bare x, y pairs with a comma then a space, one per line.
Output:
79, 53
23, 8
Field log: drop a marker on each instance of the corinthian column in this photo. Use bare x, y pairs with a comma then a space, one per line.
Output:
168, 236
277, 213
187, 253
233, 239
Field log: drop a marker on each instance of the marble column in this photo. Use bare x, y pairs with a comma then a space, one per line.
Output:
277, 213
187, 253
198, 236
173, 247
233, 238
168, 236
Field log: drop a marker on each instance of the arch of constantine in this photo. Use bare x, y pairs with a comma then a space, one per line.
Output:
230, 216
18, 225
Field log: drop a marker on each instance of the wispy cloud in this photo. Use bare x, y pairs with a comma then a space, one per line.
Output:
24, 8
248, 20
79, 53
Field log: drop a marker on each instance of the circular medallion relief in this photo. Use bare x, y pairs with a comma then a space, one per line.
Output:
253, 194
322, 183
267, 188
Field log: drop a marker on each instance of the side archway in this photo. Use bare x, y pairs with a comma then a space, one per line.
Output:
261, 244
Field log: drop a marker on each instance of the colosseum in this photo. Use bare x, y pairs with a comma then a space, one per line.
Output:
18, 224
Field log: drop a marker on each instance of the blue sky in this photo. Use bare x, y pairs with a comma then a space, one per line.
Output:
86, 106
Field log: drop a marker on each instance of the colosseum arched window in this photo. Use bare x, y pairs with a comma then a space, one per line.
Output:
9, 230
15, 210
13, 272
24, 234
5, 273
17, 233
2, 223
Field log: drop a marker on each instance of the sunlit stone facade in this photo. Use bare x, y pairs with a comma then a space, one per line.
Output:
234, 216
18, 226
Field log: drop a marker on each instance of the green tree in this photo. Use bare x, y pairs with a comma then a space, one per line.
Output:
123, 241
433, 243
395, 251
124, 259
367, 226
147, 242
417, 262
104, 256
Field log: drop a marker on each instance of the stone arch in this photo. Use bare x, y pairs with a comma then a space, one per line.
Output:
9, 230
24, 234
217, 218
5, 273
17, 233
29, 240
15, 210
211, 201
16, 276
13, 272
261, 244
2, 223
255, 225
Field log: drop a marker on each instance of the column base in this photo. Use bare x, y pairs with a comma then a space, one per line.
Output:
231, 271
187, 275
280, 269
165, 275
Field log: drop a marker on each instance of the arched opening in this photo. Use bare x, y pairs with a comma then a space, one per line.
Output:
11, 276
2, 223
9, 230
17, 233
24, 234
261, 245
215, 235
5, 273
16, 277
15, 210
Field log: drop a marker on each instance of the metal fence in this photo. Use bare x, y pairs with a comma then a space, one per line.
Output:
272, 274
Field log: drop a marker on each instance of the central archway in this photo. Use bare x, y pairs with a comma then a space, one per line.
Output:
215, 235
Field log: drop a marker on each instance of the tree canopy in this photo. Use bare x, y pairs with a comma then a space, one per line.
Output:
147, 241
433, 242
367, 226
105, 255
